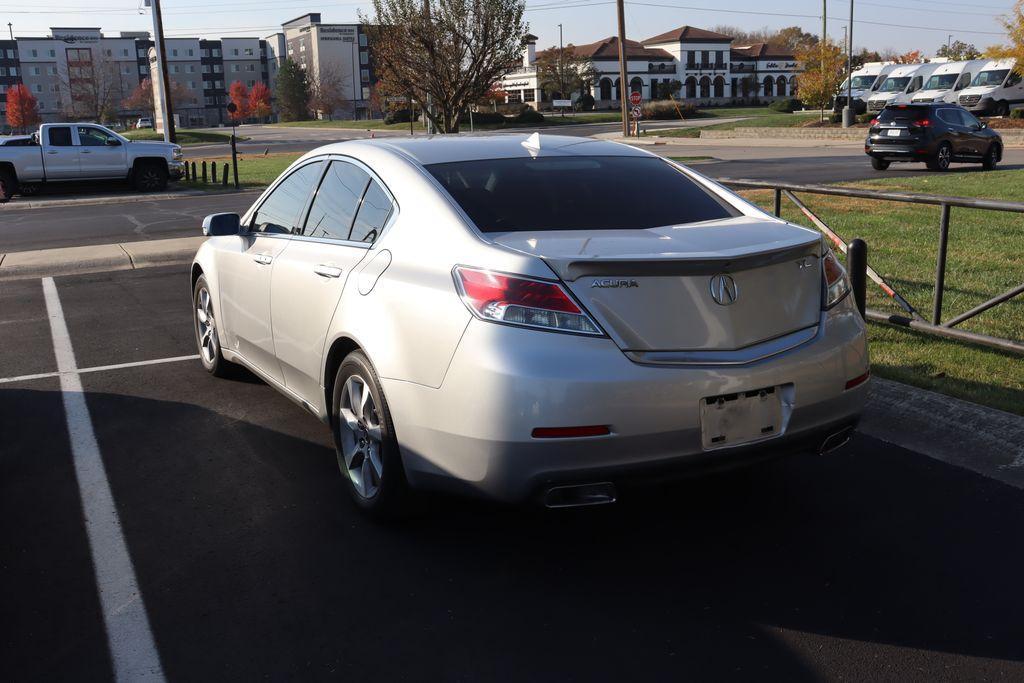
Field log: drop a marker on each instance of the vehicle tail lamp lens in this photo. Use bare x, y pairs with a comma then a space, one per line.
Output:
837, 282
922, 123
570, 432
521, 301
858, 380
874, 122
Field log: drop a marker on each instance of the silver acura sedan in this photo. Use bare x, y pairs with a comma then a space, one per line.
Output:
530, 317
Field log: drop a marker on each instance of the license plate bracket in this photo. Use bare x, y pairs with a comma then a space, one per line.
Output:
741, 418
895, 132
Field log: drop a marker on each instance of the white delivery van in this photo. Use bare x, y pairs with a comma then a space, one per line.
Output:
995, 90
946, 82
901, 84
865, 81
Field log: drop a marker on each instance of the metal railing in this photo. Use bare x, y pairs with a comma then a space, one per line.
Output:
913, 319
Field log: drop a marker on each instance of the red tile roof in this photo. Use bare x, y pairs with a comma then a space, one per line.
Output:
608, 48
688, 33
763, 51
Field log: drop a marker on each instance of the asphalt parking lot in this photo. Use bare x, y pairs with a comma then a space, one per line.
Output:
872, 563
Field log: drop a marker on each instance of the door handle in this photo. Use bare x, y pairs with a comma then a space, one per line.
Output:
85, 151
263, 259
325, 270
51, 151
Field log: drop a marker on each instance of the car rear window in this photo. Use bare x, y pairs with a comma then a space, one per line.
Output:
577, 193
902, 114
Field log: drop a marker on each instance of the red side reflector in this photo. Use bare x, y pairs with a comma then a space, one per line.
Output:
857, 381
570, 432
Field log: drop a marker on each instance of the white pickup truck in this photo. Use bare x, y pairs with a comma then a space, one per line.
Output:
62, 152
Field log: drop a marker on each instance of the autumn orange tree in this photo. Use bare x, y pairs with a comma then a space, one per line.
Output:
239, 95
22, 108
824, 68
1013, 22
259, 101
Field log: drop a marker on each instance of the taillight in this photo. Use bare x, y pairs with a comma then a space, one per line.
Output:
518, 300
874, 122
922, 123
837, 282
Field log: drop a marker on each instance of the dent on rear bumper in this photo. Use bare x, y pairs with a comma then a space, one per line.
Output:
474, 432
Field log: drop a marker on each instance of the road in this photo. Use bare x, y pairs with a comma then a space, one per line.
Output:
872, 563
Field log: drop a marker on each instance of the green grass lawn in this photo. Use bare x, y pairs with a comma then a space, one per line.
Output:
378, 124
985, 258
185, 137
761, 118
254, 170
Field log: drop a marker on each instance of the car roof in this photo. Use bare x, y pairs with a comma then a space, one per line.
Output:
440, 149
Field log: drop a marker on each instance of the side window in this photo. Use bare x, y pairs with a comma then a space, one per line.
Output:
336, 201
93, 137
373, 214
950, 116
59, 136
280, 212
915, 84
1013, 79
965, 80
969, 120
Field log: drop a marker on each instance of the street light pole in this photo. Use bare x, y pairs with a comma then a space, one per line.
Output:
849, 113
164, 81
623, 100
561, 76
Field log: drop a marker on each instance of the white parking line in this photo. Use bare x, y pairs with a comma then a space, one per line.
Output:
130, 640
98, 368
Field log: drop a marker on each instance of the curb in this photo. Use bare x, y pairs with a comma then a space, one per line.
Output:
117, 199
984, 440
93, 259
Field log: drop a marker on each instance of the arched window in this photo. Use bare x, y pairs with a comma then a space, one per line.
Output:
719, 87
615, 90
792, 86
691, 87
636, 85
705, 87
605, 88
769, 89
781, 85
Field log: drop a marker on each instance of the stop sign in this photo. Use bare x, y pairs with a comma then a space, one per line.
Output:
635, 98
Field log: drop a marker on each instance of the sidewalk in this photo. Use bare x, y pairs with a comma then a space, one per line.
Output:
114, 198
72, 260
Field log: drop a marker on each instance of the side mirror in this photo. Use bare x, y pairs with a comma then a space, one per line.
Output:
113, 142
982, 125
219, 224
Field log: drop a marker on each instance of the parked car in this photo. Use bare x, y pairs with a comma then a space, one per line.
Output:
865, 81
996, 90
937, 134
62, 152
901, 83
948, 81
144, 122
494, 315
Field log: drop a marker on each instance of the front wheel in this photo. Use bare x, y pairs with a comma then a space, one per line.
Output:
879, 164
991, 158
150, 177
207, 332
941, 158
364, 439
1003, 109
6, 186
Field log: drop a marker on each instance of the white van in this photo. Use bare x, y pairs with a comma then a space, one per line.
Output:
865, 81
995, 90
900, 85
945, 84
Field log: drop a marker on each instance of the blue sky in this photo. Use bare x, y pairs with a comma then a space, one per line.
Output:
899, 24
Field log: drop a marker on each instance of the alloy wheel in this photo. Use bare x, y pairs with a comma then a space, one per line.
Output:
150, 179
943, 158
208, 341
361, 438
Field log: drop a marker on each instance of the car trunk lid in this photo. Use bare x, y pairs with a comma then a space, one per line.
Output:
718, 285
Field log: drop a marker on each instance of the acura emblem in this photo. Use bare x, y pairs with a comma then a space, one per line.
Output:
724, 290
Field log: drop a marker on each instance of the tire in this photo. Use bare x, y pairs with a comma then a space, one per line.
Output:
362, 428
6, 186
149, 176
941, 159
207, 338
1002, 109
28, 189
879, 164
991, 158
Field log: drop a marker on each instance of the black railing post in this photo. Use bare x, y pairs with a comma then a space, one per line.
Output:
940, 265
193, 164
778, 203
213, 172
857, 264
204, 172
186, 171
224, 180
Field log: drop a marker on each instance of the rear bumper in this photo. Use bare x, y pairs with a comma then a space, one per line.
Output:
908, 151
473, 434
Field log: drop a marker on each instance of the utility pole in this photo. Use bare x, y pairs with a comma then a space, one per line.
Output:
824, 47
164, 80
428, 105
561, 72
849, 112
623, 85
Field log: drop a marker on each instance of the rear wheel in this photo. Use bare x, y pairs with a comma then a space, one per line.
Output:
28, 189
1003, 109
879, 164
364, 438
941, 158
150, 176
6, 186
991, 158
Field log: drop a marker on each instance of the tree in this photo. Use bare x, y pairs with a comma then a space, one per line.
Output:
1013, 22
959, 51
141, 98
865, 56
92, 87
790, 37
259, 101
564, 72
911, 57
824, 70
292, 92
448, 52
793, 38
239, 95
22, 108
670, 89
326, 91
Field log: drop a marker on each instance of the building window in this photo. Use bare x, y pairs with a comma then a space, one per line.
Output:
35, 71
191, 53
205, 52
366, 93
362, 40
53, 53
235, 52
124, 52
529, 95
38, 87
216, 52
108, 53
206, 68
248, 52
250, 67
364, 58
364, 75
174, 53
217, 68
250, 83
191, 85
140, 52
174, 68
515, 96
35, 53
143, 70
234, 68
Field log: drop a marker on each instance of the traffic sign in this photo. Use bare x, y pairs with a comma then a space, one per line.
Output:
637, 113
635, 98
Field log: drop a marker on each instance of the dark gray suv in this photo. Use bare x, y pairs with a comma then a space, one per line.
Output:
935, 133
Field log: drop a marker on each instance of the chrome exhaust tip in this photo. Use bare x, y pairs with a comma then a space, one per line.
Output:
835, 441
580, 495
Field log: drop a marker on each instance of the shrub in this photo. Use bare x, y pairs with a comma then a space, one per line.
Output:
787, 105
400, 116
865, 118
529, 115
585, 102
666, 110
1017, 114
835, 118
483, 117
